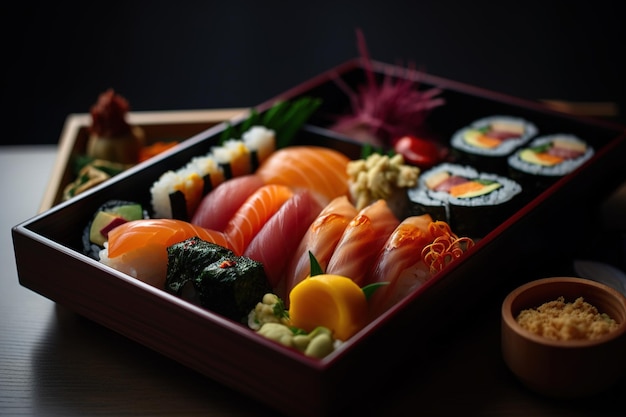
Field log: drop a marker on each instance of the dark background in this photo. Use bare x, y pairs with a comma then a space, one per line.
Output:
179, 55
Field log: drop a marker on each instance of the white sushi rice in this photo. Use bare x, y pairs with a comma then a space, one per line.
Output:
558, 170
172, 181
235, 157
203, 165
144, 264
506, 147
257, 138
160, 191
206, 167
260, 140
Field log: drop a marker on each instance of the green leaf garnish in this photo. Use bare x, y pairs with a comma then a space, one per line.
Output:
368, 150
370, 289
285, 118
316, 269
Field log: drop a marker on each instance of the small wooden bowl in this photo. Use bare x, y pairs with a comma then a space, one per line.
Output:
564, 368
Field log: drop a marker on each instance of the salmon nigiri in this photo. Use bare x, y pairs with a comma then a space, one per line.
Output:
362, 240
320, 239
253, 214
400, 262
217, 207
281, 234
139, 247
320, 170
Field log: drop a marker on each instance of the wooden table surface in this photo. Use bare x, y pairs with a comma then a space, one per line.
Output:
56, 363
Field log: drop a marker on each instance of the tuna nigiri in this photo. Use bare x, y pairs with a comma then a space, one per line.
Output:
253, 214
320, 239
362, 240
282, 232
219, 206
139, 247
318, 169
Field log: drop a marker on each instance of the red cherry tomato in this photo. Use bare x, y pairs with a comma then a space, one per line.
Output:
417, 151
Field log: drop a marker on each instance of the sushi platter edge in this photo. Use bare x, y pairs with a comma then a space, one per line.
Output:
158, 125
256, 367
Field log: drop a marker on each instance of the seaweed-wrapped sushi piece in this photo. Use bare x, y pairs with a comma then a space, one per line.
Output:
213, 277
472, 202
487, 142
548, 158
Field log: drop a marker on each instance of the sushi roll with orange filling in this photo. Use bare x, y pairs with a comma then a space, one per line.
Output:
548, 158
488, 141
178, 193
473, 203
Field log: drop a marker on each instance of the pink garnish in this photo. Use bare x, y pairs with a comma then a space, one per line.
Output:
112, 225
384, 112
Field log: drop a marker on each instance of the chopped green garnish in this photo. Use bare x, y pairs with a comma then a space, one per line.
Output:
541, 148
297, 331
484, 181
280, 310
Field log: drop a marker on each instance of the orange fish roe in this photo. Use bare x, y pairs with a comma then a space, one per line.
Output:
559, 320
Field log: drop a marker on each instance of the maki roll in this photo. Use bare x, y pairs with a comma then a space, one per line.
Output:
548, 158
109, 215
488, 141
471, 202
177, 194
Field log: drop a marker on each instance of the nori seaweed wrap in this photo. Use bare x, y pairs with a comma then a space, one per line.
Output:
472, 202
487, 142
546, 159
215, 278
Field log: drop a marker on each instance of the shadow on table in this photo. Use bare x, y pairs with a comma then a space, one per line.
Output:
82, 368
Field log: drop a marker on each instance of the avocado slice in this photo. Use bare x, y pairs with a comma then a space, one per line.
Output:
485, 190
101, 226
480, 140
128, 211
537, 158
107, 219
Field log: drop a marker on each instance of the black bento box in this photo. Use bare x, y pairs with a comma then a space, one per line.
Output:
50, 261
